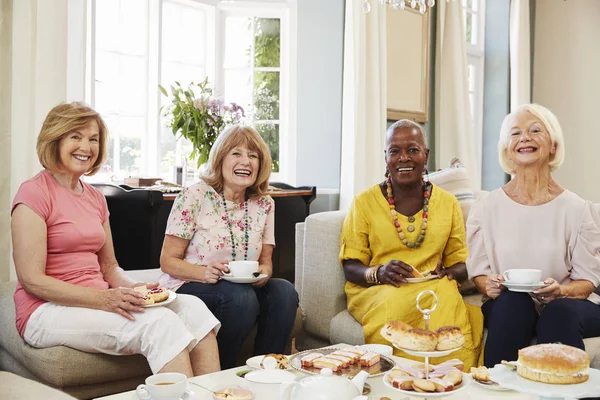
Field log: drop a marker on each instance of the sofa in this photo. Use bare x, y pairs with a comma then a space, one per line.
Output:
320, 284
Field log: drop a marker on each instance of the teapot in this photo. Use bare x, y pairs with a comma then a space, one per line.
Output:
325, 386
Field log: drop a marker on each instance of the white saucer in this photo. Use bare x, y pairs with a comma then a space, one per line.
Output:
170, 299
254, 362
465, 382
498, 387
270, 376
437, 353
188, 395
424, 279
247, 279
523, 287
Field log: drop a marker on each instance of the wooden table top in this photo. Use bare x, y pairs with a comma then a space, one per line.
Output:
272, 193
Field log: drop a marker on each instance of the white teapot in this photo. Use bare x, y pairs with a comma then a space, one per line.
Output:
325, 386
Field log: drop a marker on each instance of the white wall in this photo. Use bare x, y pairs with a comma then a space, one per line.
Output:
566, 79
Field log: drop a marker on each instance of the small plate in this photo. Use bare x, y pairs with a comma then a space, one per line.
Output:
424, 279
270, 376
465, 382
188, 395
494, 386
254, 362
170, 299
249, 279
523, 287
437, 353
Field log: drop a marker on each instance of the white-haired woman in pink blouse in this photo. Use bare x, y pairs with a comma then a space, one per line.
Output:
533, 222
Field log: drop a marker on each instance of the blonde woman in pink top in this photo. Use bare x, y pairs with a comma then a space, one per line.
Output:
534, 223
71, 290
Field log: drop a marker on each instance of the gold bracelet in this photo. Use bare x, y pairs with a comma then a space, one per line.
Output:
375, 274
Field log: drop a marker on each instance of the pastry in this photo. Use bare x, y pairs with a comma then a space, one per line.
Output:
369, 359
152, 296
480, 374
324, 362
282, 361
449, 337
423, 385
406, 337
307, 360
553, 363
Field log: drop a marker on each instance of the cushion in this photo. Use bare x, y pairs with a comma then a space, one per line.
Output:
455, 179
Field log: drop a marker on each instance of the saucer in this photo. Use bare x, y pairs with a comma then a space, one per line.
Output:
254, 362
435, 353
270, 376
188, 395
424, 279
523, 287
169, 300
245, 279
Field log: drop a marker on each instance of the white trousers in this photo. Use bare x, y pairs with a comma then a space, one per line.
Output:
159, 333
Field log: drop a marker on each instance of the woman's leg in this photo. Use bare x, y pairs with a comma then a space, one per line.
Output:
510, 320
235, 306
204, 357
568, 321
181, 363
278, 306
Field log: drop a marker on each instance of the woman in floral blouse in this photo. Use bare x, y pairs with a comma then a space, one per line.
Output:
228, 216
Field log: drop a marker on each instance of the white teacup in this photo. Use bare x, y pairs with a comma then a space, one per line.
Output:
166, 386
242, 269
523, 276
382, 349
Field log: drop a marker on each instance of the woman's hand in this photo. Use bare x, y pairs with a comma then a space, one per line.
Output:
393, 272
264, 269
214, 271
548, 293
122, 301
146, 284
493, 288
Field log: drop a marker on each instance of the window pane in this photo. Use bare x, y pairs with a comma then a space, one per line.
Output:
468, 26
270, 133
267, 42
238, 42
237, 88
471, 77
266, 95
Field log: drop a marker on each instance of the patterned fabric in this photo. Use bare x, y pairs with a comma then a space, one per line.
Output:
198, 215
455, 179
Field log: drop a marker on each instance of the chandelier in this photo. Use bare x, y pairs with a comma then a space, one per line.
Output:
401, 4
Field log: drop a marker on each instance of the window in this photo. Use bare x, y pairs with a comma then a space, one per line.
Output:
474, 19
135, 45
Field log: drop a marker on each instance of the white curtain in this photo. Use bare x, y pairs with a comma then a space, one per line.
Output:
43, 60
364, 103
454, 135
520, 55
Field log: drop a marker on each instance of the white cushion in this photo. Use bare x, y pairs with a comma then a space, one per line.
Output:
455, 180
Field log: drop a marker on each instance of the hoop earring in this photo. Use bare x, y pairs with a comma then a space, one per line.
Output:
426, 176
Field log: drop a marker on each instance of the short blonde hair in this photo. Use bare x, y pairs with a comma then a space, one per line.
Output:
61, 121
233, 137
551, 124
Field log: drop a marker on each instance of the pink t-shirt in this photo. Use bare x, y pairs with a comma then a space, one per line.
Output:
198, 215
74, 233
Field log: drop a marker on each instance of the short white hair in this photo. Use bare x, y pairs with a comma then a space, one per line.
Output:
406, 123
551, 124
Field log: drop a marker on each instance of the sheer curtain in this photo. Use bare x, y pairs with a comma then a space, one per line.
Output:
520, 55
364, 103
45, 48
453, 128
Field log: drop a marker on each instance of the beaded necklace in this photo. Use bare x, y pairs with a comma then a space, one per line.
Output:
244, 205
394, 213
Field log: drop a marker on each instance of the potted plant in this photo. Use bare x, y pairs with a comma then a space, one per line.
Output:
196, 114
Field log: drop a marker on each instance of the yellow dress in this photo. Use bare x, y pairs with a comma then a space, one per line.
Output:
369, 235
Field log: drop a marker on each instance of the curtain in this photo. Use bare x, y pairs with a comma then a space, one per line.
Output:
36, 43
5, 159
520, 65
454, 135
364, 100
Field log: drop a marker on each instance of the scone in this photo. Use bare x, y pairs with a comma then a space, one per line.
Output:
480, 374
282, 360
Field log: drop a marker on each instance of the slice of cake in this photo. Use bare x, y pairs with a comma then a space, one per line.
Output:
324, 362
307, 360
369, 359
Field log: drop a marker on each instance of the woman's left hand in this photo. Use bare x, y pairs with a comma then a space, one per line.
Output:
548, 293
266, 270
146, 284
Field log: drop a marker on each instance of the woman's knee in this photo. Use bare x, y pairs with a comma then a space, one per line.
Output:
283, 292
560, 311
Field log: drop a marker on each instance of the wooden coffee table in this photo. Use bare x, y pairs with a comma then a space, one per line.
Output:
228, 378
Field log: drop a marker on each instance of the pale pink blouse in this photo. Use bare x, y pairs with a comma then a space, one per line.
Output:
198, 215
561, 237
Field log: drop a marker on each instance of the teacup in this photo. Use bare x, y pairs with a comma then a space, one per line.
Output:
165, 386
523, 276
382, 349
242, 269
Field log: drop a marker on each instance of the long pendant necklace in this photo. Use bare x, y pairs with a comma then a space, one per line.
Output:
244, 205
411, 219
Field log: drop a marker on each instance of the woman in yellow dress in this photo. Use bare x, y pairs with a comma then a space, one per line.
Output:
401, 224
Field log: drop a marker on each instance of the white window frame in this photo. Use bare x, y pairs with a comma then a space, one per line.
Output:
476, 57
286, 10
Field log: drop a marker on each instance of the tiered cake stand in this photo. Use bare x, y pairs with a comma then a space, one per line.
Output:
427, 354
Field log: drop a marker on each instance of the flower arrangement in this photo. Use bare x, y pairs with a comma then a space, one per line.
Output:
200, 117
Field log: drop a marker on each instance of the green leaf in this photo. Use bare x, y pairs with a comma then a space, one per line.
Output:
163, 91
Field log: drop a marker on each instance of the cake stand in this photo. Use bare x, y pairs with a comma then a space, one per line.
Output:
427, 354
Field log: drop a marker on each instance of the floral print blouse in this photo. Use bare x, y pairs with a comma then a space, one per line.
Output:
198, 215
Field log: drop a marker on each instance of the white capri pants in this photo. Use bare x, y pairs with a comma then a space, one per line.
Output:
159, 333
